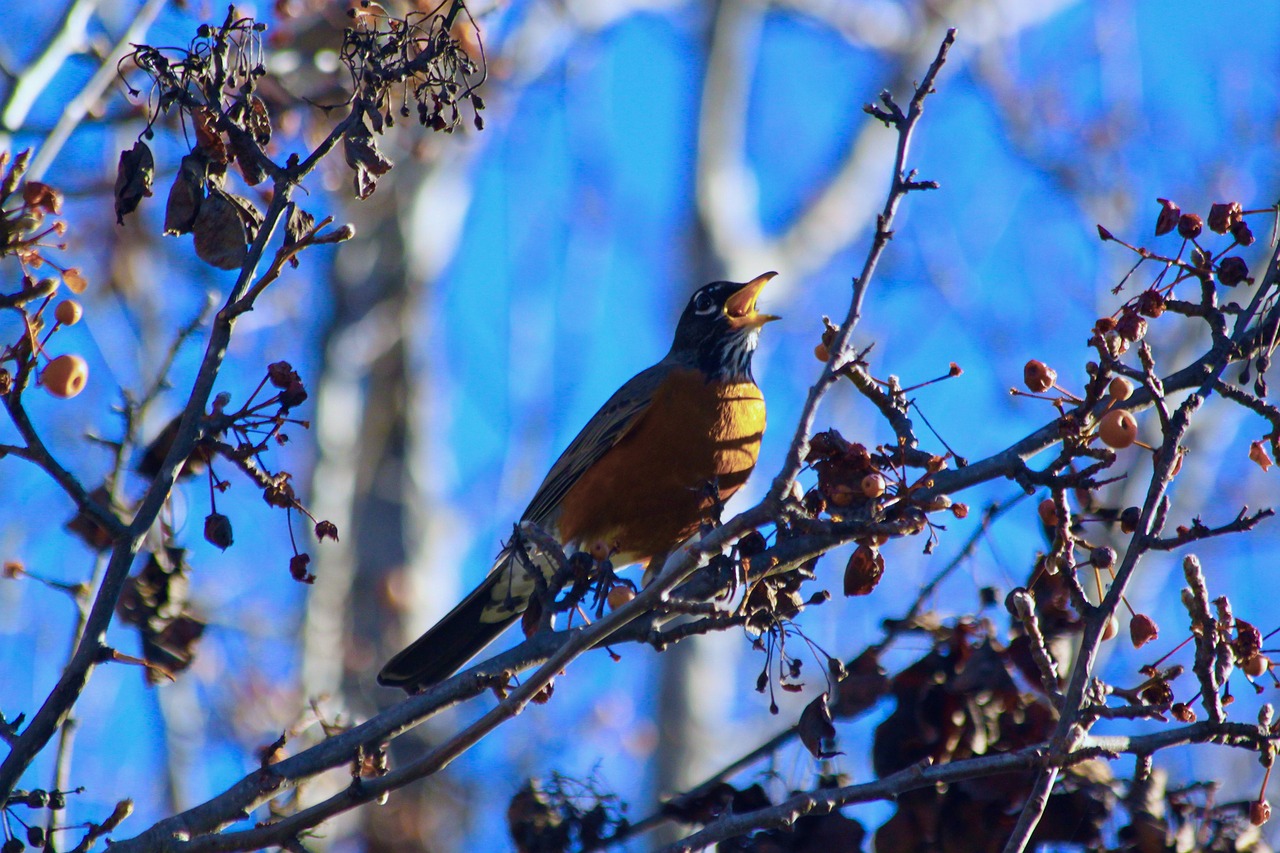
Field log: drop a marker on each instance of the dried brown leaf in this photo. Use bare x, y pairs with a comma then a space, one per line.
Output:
186, 195
815, 726
134, 175
220, 237
365, 159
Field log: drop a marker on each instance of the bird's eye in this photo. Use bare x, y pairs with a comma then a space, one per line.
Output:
703, 303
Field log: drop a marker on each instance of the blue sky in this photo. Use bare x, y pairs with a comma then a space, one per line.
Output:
577, 253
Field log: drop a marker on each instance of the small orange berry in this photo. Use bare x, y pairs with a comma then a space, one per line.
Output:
821, 353
1259, 812
873, 485
1256, 666
65, 376
68, 312
1118, 429
1121, 389
620, 595
1048, 513
1110, 630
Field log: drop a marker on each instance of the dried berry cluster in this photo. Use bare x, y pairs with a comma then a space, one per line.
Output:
256, 426
417, 59
395, 62
212, 87
54, 801
852, 486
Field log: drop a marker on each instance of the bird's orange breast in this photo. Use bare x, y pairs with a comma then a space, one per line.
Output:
654, 488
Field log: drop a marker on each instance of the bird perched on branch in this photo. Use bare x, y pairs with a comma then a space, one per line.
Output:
641, 477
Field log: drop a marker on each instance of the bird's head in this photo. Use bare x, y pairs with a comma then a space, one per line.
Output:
720, 326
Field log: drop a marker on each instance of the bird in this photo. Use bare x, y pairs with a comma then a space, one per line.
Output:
643, 475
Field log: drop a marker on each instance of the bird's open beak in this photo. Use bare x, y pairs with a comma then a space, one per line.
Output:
740, 308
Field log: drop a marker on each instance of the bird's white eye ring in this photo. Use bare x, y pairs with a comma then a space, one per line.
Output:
703, 303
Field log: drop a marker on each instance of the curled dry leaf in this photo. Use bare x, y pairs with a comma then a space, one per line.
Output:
815, 726
208, 140
249, 214
364, 157
186, 195
74, 280
298, 225
134, 175
250, 113
250, 167
220, 236
155, 600
1259, 456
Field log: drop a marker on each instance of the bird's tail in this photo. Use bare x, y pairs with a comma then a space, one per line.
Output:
465, 630
449, 644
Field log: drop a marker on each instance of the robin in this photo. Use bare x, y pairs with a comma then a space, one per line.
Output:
641, 477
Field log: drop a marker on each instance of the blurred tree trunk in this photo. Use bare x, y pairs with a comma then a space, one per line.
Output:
371, 393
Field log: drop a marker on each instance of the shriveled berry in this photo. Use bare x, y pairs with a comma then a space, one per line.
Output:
1190, 225
1242, 233
960, 510
68, 312
1118, 429
1048, 513
1158, 694
1232, 271
65, 376
1038, 376
217, 530
1168, 217
1103, 557
1142, 630
1129, 519
1151, 303
1183, 712
1104, 325
873, 485
1121, 389
1259, 812
1131, 326
863, 571
1223, 215
281, 374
